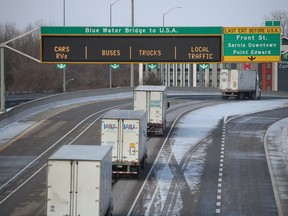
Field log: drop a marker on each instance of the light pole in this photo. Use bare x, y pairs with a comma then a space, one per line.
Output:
163, 75
110, 69
132, 24
64, 69
164, 14
68, 82
111, 11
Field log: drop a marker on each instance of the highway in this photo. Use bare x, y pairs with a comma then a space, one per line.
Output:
224, 172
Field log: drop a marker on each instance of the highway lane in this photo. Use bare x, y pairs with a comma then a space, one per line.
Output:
247, 187
30, 199
28, 153
228, 169
58, 129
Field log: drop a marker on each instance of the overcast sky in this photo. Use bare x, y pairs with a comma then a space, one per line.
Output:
147, 12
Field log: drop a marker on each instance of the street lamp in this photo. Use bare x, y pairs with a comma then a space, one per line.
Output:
64, 69
163, 74
111, 11
110, 69
167, 13
132, 65
64, 89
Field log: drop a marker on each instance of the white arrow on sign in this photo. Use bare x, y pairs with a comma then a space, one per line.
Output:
204, 66
61, 66
152, 66
115, 66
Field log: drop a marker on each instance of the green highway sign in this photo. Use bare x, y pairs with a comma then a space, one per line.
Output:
62, 30
115, 66
204, 66
272, 23
130, 44
251, 44
152, 66
203, 45
61, 66
284, 57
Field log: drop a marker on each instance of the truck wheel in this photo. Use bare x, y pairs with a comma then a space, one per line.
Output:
138, 172
144, 161
241, 96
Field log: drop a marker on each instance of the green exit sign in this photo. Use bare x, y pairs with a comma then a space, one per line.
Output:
251, 44
272, 23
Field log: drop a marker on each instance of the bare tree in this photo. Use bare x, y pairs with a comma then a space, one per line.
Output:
282, 16
23, 74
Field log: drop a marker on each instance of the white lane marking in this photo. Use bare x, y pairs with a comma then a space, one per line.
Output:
153, 165
28, 165
220, 174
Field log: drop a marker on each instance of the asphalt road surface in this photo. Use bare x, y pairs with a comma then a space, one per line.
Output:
234, 179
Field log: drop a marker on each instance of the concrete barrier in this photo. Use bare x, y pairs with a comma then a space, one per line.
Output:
16, 112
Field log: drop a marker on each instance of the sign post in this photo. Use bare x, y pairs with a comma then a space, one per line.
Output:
2, 82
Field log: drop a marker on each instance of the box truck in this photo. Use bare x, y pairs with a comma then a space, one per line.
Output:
79, 181
152, 99
240, 84
126, 132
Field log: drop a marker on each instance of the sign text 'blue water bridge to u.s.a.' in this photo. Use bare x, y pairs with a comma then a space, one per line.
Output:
159, 44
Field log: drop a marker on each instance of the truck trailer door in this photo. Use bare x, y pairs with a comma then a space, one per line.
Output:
87, 188
224, 79
60, 188
155, 107
112, 137
131, 140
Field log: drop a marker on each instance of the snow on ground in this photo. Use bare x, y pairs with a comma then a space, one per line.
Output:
277, 139
196, 126
191, 128
10, 131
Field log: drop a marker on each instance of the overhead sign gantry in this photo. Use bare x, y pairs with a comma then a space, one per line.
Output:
160, 44
131, 44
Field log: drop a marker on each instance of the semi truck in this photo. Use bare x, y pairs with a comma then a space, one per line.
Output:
152, 99
240, 84
126, 132
79, 181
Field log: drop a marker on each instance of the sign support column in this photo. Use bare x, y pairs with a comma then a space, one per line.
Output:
2, 77
132, 65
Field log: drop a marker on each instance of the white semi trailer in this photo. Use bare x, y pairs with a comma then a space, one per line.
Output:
240, 84
152, 99
126, 132
79, 181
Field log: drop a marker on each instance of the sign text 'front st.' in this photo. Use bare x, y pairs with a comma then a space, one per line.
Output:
251, 44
